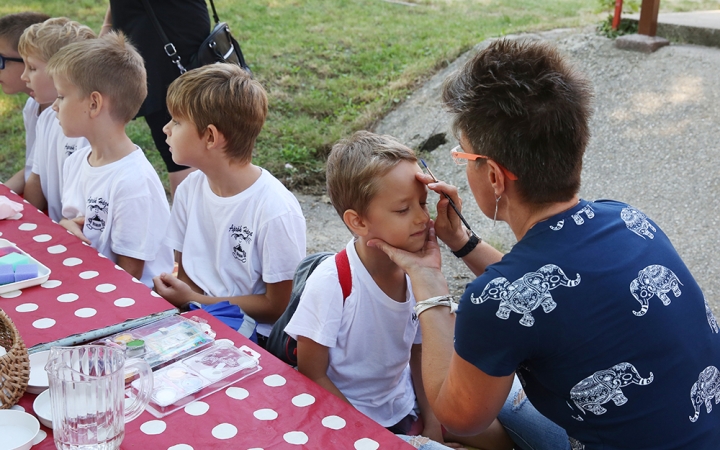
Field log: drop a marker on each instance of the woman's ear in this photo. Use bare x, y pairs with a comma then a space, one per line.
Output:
355, 222
496, 177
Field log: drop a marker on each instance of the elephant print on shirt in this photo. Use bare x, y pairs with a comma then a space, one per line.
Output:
587, 210
637, 222
604, 386
704, 390
525, 294
654, 280
575, 444
710, 317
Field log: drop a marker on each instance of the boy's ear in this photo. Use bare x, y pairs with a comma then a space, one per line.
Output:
214, 139
95, 104
355, 222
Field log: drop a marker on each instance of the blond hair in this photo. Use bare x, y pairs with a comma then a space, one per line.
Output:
43, 40
109, 65
355, 165
223, 95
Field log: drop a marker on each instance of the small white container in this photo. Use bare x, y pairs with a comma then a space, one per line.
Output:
38, 381
18, 429
43, 408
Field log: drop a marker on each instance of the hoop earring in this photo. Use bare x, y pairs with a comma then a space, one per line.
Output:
497, 200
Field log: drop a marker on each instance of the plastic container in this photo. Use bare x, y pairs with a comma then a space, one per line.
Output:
43, 271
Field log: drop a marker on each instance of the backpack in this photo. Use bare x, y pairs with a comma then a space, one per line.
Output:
279, 343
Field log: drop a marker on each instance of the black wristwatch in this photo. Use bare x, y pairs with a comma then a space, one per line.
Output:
469, 245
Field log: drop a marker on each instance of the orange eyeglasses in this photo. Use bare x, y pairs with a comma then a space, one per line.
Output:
461, 159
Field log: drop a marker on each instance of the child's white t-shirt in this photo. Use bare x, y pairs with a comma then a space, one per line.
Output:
369, 338
30, 118
233, 246
52, 148
125, 208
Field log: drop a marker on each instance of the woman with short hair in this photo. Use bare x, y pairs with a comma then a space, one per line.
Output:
593, 308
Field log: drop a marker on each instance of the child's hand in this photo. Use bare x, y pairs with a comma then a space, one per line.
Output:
172, 289
75, 226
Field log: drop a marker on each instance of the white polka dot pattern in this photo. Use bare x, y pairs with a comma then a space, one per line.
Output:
237, 393
85, 312
105, 288
224, 431
26, 307
57, 249
124, 302
197, 408
27, 227
67, 298
88, 274
72, 262
265, 414
296, 438
51, 284
44, 323
11, 294
153, 427
366, 444
334, 422
274, 380
42, 238
303, 400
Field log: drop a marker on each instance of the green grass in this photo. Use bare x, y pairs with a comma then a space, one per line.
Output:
330, 66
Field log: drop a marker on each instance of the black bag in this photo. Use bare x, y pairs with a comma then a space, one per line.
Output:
280, 343
220, 46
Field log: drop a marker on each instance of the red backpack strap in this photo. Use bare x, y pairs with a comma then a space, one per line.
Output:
344, 275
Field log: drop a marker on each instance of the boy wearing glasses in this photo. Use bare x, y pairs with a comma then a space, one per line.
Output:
112, 197
37, 45
238, 231
11, 68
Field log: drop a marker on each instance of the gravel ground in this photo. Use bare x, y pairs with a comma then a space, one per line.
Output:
656, 138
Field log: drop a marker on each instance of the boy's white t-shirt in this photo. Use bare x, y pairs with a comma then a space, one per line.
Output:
233, 246
369, 338
31, 111
125, 208
52, 148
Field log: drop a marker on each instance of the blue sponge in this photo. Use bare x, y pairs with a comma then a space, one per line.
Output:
26, 271
6, 274
14, 259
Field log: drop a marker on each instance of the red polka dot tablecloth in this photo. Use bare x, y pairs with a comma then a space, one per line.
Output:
85, 291
275, 408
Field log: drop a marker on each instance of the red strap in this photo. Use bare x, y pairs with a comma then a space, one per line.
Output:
344, 275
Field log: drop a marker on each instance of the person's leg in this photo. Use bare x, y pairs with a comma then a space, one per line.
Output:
529, 429
176, 173
495, 437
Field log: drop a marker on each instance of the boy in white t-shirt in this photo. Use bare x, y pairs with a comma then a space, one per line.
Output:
112, 197
238, 231
367, 349
11, 68
37, 45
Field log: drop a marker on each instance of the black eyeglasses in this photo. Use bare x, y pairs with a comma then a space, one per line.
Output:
5, 58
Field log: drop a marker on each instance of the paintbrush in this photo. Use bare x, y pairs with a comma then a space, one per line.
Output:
452, 203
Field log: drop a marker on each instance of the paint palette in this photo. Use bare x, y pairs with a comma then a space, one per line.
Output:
198, 376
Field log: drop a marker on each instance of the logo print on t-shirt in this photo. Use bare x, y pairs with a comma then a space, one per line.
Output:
587, 210
604, 386
712, 321
240, 234
97, 210
704, 390
525, 294
70, 149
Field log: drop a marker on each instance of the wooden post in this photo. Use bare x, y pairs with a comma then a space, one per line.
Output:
649, 17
